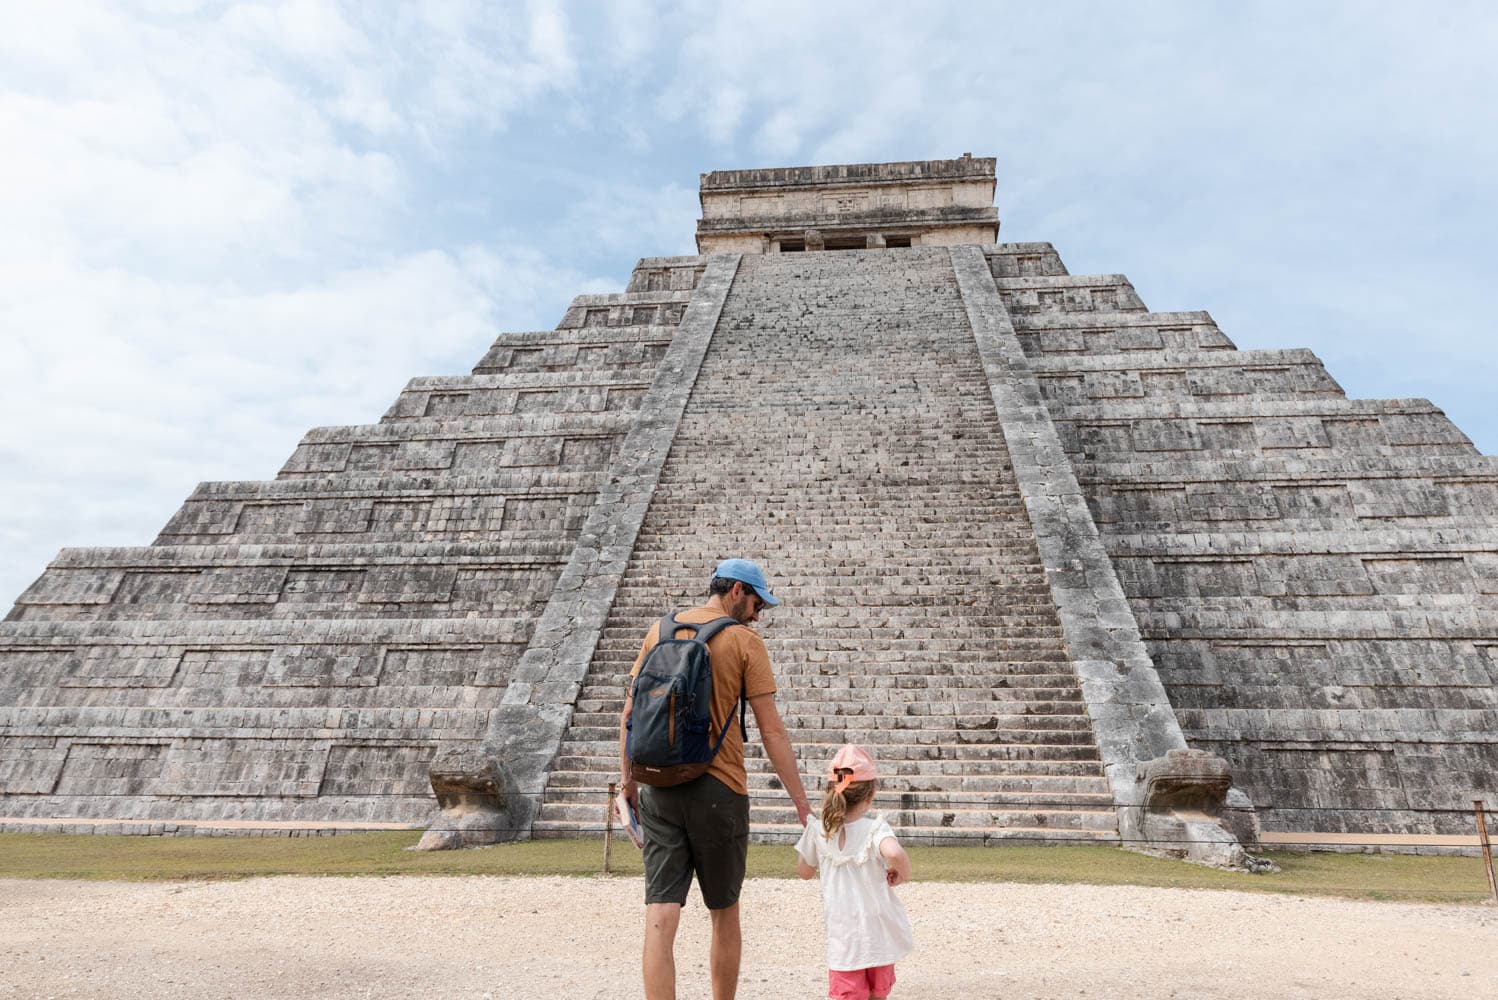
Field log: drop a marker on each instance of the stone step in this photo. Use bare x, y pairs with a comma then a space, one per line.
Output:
799, 624
936, 539
1278, 543
1030, 790
807, 625
1059, 731
848, 576
869, 646
875, 687
1271, 359
1400, 613
813, 758
821, 672
998, 530
1025, 719
936, 600
900, 794
803, 715
826, 656
924, 701
788, 833
599, 696
538, 479
461, 428
918, 815
801, 616
990, 774
962, 488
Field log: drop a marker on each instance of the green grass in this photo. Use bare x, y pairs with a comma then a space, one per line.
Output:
1355, 876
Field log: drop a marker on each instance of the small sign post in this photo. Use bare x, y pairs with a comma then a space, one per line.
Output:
1487, 849
608, 829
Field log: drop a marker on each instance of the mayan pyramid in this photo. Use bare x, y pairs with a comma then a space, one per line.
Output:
1032, 541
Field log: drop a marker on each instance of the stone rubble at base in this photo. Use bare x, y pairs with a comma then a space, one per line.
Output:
1031, 538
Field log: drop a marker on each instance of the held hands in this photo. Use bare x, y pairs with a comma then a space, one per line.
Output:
803, 812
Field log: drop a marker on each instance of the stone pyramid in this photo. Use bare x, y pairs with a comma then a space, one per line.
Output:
1074, 570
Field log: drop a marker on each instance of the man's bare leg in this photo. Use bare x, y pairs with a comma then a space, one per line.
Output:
659, 963
728, 949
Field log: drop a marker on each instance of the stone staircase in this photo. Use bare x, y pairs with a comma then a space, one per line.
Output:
841, 432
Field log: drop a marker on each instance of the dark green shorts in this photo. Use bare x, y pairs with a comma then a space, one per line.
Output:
700, 827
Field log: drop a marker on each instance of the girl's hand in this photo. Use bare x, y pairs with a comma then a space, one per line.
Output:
896, 862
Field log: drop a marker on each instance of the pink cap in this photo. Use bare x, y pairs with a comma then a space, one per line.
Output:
851, 763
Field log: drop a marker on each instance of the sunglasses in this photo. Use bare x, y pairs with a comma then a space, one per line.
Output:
759, 602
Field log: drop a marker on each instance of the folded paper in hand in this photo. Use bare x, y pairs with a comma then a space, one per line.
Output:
629, 819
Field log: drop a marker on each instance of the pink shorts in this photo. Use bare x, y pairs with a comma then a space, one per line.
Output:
860, 984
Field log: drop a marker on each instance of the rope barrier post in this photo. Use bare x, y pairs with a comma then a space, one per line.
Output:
608, 829
1487, 849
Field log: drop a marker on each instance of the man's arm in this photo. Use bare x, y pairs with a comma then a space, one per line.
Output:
778, 748
626, 783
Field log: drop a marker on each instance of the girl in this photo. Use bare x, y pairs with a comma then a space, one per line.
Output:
861, 862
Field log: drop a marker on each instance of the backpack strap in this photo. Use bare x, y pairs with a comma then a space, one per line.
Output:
742, 707
704, 633
709, 629
670, 626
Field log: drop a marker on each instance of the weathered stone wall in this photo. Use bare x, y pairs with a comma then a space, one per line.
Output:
1126, 703
1313, 575
526, 730
295, 651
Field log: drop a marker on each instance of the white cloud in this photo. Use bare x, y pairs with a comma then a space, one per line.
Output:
633, 29
149, 387
1316, 176
633, 220
225, 224
204, 255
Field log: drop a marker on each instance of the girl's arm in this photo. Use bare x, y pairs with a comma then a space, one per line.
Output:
896, 861
807, 854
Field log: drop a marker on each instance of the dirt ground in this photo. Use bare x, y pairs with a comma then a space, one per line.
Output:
579, 938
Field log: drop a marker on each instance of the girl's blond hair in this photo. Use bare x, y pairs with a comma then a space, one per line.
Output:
835, 803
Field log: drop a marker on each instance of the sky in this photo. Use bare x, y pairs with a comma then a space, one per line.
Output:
224, 224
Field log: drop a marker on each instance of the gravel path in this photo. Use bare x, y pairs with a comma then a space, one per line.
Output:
579, 938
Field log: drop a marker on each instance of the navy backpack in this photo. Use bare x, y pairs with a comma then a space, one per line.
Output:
669, 739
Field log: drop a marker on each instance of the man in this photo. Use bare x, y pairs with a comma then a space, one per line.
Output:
702, 827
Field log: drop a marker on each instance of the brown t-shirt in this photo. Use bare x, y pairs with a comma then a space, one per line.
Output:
740, 663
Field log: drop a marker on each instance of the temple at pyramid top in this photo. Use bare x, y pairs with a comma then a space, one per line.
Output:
849, 206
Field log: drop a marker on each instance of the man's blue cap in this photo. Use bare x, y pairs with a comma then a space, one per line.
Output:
745, 571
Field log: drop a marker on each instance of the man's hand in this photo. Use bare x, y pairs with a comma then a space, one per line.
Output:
631, 792
803, 812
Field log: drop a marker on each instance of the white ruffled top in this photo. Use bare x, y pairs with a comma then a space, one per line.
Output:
866, 922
